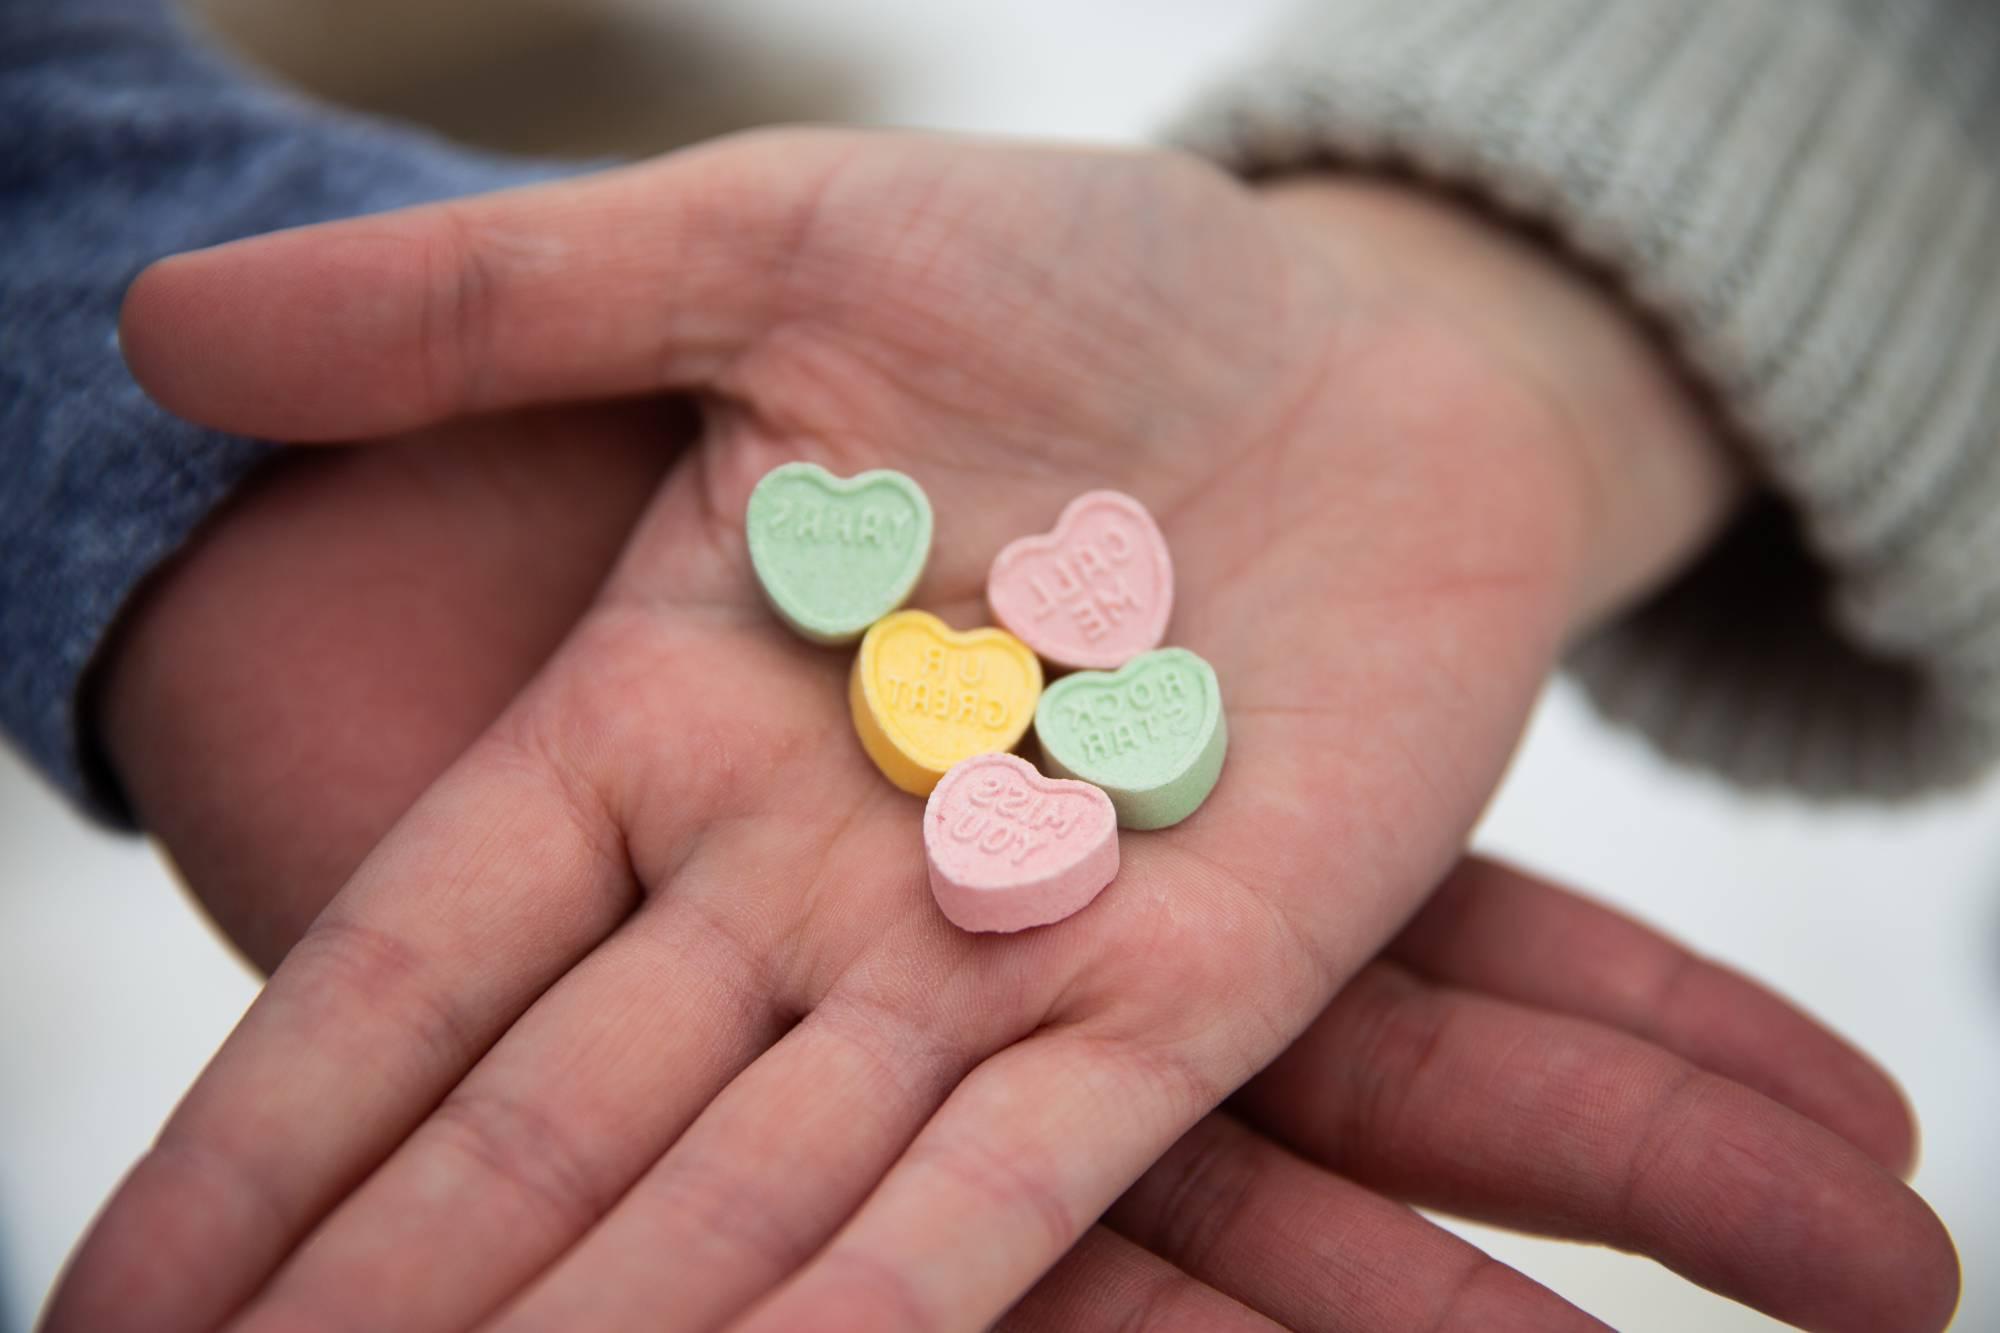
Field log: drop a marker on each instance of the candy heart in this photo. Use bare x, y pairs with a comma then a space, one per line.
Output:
1009, 848
925, 696
834, 556
1151, 734
1096, 592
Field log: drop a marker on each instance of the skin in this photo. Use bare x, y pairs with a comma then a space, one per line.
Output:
641, 1001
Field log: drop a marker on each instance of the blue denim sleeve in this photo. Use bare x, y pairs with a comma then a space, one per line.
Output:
122, 139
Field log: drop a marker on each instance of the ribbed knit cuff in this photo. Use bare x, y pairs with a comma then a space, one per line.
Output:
1805, 194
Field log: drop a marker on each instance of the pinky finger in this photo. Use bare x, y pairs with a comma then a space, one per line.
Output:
1106, 1284
1314, 1251
1493, 929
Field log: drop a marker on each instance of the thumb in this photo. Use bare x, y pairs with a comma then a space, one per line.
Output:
630, 281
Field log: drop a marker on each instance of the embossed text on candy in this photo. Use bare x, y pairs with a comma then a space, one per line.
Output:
834, 555
1151, 708
924, 696
1095, 592
806, 523
946, 688
1008, 848
1088, 584
1008, 819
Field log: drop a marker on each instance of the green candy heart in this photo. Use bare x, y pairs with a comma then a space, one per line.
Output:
834, 556
1151, 734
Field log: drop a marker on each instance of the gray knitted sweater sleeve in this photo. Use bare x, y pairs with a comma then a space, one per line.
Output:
1805, 195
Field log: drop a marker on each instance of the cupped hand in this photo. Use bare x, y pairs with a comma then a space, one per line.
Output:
654, 960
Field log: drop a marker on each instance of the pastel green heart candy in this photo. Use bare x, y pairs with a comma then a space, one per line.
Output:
1151, 734
834, 556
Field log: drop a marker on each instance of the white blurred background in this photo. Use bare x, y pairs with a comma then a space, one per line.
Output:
113, 991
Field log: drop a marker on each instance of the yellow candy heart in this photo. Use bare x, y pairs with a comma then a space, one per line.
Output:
925, 696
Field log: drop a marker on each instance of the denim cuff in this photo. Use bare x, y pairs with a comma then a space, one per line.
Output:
122, 140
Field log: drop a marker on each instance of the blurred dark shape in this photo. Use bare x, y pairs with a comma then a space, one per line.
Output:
567, 77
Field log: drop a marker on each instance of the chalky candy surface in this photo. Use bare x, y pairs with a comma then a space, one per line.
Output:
1095, 592
1151, 734
924, 696
1010, 849
835, 555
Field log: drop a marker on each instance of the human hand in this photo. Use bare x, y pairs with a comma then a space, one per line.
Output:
230, 713
680, 593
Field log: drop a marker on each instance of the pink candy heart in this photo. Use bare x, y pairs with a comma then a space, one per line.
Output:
1094, 593
1009, 848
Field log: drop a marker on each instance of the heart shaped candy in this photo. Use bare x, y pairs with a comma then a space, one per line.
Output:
925, 696
1009, 848
1096, 592
1151, 734
834, 556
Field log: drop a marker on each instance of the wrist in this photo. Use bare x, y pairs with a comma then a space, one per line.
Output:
1652, 478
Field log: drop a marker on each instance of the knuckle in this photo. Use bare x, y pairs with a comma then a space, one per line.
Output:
216, 1186
1167, 1300
867, 1294
460, 280
1012, 1186
1658, 1147
1486, 1292
1397, 1028
1464, 1303
735, 1213
1679, 971
857, 1291
276, 1315
187, 1199
342, 967
1212, 1181
1177, 1080
522, 1149
910, 1050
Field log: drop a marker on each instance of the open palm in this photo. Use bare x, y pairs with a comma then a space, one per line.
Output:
655, 960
